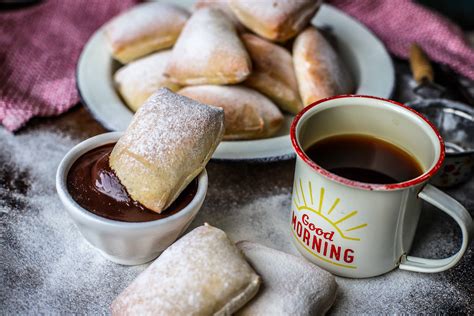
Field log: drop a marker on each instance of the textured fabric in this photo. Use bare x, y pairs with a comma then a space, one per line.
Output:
39, 49
399, 23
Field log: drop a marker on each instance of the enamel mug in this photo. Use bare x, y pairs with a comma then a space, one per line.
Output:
356, 229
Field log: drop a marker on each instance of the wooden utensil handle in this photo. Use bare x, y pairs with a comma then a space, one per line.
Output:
420, 65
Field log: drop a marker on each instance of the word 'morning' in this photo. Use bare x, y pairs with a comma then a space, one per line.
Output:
320, 241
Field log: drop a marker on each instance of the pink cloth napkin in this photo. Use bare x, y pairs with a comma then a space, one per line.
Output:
40, 45
399, 23
39, 48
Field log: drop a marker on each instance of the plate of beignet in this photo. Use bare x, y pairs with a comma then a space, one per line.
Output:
260, 61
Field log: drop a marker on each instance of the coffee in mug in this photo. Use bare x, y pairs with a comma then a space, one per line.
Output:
364, 158
362, 170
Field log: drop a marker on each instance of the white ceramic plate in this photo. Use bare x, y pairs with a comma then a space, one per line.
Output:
364, 54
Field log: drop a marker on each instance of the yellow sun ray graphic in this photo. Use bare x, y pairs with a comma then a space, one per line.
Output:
321, 198
356, 227
345, 217
302, 192
336, 202
296, 191
328, 215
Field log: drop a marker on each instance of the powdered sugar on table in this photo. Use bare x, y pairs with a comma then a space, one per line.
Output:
47, 267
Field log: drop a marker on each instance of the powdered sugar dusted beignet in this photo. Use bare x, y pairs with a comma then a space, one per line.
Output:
291, 285
319, 71
145, 28
168, 143
248, 114
276, 20
203, 273
138, 80
273, 73
208, 51
222, 5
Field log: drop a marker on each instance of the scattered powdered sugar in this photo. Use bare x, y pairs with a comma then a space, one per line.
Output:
46, 267
397, 292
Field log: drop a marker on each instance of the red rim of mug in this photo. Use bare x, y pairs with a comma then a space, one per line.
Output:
361, 185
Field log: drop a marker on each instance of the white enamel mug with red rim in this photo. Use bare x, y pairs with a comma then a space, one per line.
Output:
356, 229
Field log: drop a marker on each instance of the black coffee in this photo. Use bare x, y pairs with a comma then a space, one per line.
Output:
364, 158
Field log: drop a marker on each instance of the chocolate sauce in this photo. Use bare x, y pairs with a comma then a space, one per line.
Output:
94, 186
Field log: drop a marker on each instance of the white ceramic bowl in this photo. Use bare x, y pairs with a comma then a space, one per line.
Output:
122, 242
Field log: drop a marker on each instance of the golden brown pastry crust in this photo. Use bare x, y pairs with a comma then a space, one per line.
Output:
273, 73
276, 20
138, 80
248, 114
145, 28
319, 71
203, 273
168, 143
208, 52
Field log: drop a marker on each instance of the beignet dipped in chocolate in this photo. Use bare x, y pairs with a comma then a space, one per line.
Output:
273, 73
144, 29
138, 80
222, 5
203, 273
319, 71
208, 51
168, 143
248, 114
276, 20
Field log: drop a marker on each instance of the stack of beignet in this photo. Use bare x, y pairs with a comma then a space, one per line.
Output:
213, 57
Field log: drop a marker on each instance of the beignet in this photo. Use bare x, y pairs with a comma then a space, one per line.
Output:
276, 20
273, 73
208, 51
168, 143
222, 5
145, 28
291, 285
203, 273
248, 114
138, 80
319, 71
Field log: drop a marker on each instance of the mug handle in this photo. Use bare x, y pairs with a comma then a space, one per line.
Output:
454, 209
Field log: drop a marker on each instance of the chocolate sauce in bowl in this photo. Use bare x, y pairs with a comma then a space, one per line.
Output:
94, 186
